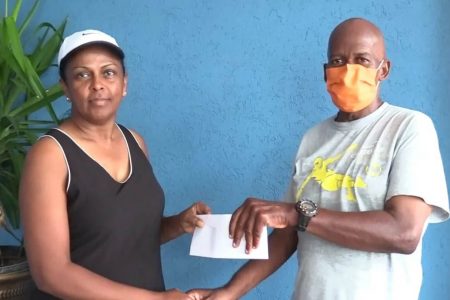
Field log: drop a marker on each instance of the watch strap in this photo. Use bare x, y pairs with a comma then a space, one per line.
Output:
303, 222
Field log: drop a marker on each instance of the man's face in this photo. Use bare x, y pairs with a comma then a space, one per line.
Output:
355, 45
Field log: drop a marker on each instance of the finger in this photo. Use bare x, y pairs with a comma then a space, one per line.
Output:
249, 234
193, 293
234, 218
189, 297
198, 222
254, 213
201, 208
191, 223
199, 294
260, 222
194, 296
237, 235
241, 229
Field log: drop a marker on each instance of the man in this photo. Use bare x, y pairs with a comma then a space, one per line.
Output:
366, 183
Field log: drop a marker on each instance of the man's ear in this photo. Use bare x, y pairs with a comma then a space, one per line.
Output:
325, 72
385, 69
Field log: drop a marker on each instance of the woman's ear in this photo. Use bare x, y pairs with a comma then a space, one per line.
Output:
125, 85
64, 87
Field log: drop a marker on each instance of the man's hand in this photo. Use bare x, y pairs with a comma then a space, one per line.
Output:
211, 294
250, 218
200, 294
176, 294
188, 218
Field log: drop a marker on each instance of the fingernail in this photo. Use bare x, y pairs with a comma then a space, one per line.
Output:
234, 245
230, 236
246, 251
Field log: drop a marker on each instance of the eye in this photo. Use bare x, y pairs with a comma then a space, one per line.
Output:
363, 61
336, 61
83, 75
109, 73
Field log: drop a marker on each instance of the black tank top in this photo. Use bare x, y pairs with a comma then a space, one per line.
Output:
114, 227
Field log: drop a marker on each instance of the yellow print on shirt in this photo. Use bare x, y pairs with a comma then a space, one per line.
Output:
331, 181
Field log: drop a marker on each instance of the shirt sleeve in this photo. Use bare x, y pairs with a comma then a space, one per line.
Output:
417, 168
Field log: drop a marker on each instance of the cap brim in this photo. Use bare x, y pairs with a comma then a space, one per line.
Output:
108, 45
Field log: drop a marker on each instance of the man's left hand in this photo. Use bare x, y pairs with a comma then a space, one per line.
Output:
251, 217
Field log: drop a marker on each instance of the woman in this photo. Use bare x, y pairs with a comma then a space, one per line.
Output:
91, 206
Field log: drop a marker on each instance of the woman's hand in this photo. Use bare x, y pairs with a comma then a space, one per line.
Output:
188, 218
176, 294
185, 222
211, 294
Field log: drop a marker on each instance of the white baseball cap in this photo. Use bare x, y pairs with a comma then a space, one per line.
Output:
87, 37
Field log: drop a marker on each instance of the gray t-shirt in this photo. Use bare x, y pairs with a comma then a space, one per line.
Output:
358, 166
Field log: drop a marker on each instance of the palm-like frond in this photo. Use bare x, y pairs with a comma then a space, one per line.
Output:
22, 93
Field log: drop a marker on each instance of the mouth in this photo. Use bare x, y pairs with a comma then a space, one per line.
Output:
99, 101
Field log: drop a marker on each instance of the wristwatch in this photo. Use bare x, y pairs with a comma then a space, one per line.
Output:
306, 210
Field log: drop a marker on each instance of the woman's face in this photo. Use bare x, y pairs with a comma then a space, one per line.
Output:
95, 83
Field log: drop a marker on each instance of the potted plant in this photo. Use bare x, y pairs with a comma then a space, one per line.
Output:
22, 94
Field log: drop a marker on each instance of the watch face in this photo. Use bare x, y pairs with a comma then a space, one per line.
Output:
308, 207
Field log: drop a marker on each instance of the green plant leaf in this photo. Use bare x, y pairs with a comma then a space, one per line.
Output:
16, 10
22, 94
36, 104
29, 17
42, 57
25, 67
10, 205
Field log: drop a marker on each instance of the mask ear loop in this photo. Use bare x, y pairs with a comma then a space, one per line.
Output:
381, 63
378, 68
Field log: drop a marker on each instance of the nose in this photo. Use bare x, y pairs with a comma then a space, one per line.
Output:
97, 83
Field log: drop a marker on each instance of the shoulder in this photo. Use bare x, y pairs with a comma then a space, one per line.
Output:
45, 148
407, 113
319, 128
46, 151
410, 120
45, 163
139, 140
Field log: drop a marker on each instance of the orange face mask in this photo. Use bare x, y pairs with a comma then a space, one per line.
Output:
352, 87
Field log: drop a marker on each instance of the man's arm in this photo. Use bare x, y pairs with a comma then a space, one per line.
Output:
396, 228
282, 244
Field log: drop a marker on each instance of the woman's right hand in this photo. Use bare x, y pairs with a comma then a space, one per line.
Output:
176, 294
211, 294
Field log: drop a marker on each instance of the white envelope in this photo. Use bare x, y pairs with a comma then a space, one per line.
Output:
213, 241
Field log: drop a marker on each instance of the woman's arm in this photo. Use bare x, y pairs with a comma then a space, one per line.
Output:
43, 206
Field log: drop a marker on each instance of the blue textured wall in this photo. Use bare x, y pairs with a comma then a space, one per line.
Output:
222, 91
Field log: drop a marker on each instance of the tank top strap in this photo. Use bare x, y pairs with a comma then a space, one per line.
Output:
131, 140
